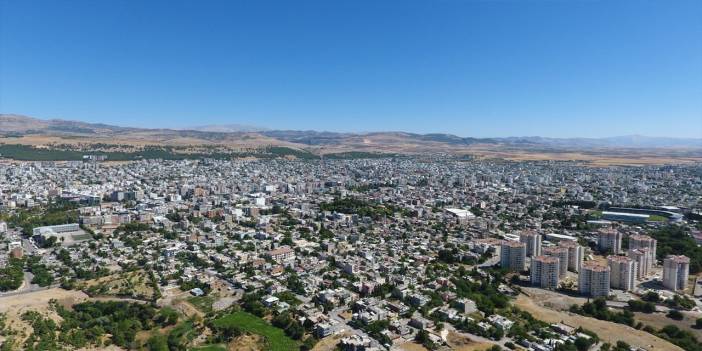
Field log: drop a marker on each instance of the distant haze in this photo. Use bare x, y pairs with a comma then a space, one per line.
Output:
225, 128
25, 125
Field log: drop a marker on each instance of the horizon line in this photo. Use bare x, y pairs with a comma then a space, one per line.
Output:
269, 129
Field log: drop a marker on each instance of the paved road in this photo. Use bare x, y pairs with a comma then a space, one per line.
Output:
28, 287
33, 288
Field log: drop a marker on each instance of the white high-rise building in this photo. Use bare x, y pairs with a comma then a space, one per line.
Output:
642, 257
562, 254
593, 279
513, 255
676, 270
575, 254
622, 272
609, 240
644, 242
545, 271
532, 240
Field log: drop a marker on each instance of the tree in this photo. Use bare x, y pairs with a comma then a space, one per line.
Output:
12, 275
167, 316
498, 333
622, 346
651, 296
422, 337
158, 342
675, 314
583, 344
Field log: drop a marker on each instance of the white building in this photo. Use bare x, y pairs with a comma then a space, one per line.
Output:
562, 254
593, 279
513, 255
676, 270
54, 229
642, 257
622, 272
609, 240
575, 255
533, 243
644, 242
282, 254
545, 271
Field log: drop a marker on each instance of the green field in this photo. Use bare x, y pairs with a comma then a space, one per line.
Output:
656, 218
275, 338
202, 303
210, 348
80, 237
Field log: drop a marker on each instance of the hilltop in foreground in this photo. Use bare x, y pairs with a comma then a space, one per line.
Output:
28, 138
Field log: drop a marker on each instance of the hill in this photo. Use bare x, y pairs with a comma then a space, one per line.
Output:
245, 141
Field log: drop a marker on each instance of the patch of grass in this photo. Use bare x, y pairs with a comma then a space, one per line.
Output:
289, 298
202, 303
275, 338
656, 218
216, 347
80, 237
182, 335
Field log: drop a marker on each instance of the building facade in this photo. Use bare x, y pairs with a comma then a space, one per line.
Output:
533, 243
513, 255
644, 242
642, 257
545, 272
609, 240
575, 254
562, 254
622, 272
676, 270
593, 279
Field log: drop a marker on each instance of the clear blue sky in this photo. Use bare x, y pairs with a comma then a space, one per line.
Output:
471, 68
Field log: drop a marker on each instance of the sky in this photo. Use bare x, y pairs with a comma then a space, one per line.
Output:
559, 68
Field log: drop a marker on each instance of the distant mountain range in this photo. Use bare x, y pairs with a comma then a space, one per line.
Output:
225, 128
23, 128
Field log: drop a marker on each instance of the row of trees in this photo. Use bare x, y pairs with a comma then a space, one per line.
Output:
598, 309
11, 275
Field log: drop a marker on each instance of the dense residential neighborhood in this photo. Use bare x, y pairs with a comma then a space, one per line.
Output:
400, 253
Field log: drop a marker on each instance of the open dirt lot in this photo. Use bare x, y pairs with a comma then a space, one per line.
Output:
410, 346
607, 331
552, 299
39, 300
597, 157
329, 343
461, 343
